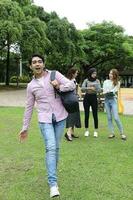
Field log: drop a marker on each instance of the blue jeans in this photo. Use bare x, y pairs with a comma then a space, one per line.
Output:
112, 109
52, 133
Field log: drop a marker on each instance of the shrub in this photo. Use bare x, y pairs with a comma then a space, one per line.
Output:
20, 79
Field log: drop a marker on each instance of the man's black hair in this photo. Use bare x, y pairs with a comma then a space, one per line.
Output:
36, 55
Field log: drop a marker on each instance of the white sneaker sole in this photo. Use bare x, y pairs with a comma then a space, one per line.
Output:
95, 135
54, 192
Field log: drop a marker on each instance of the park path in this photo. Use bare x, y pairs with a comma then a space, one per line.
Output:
18, 98
13, 98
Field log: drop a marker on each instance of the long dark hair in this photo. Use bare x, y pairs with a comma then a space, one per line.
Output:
71, 72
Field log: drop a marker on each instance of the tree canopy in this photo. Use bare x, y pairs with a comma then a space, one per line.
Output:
11, 17
31, 29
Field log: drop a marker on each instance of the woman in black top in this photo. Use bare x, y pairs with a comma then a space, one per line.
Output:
91, 86
73, 119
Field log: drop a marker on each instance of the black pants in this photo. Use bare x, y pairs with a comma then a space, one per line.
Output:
91, 100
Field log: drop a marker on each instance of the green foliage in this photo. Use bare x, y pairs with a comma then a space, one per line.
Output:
20, 79
11, 17
104, 46
34, 37
64, 49
24, 2
42, 15
32, 29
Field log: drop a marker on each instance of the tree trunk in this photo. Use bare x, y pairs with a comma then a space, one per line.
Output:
7, 61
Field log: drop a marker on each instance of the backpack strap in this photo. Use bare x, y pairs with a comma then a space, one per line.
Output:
52, 78
52, 75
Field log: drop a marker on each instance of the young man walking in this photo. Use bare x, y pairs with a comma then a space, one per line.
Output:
51, 113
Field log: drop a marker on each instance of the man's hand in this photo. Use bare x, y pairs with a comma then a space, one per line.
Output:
55, 84
23, 136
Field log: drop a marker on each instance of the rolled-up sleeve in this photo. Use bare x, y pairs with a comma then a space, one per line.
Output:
98, 86
84, 86
30, 101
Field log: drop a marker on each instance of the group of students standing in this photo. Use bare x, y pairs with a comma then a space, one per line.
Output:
52, 114
91, 86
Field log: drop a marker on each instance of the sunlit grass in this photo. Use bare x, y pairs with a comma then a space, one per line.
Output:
89, 169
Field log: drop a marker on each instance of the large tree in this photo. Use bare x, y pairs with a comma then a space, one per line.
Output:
11, 17
31, 29
64, 49
20, 27
34, 37
104, 46
128, 46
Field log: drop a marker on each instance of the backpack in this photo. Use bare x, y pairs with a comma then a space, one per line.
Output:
69, 98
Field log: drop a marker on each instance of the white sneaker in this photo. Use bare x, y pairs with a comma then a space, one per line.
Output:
86, 133
123, 137
54, 192
95, 134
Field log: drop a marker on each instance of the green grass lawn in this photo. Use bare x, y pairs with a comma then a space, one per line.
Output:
89, 169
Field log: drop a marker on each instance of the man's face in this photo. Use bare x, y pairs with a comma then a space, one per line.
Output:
37, 66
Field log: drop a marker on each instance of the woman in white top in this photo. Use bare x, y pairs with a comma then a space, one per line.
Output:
110, 89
